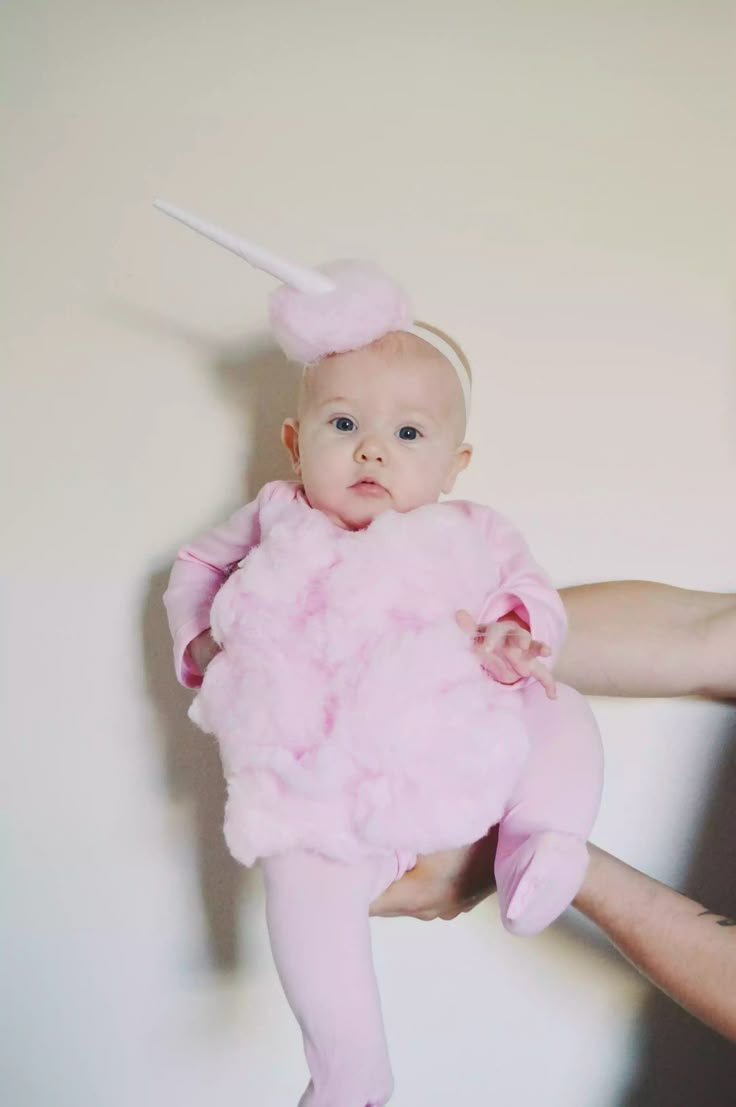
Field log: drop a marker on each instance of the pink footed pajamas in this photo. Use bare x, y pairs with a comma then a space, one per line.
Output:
357, 730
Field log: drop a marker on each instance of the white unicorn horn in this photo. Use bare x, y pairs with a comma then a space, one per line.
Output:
296, 276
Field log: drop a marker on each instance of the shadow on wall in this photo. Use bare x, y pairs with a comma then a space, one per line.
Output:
260, 383
683, 1064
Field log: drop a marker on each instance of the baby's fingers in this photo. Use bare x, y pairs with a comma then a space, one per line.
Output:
467, 623
544, 676
497, 668
523, 661
519, 659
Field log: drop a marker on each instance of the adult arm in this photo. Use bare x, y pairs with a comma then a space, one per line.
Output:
685, 950
638, 638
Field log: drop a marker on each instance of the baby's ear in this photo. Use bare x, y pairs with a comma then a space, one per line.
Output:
290, 438
460, 461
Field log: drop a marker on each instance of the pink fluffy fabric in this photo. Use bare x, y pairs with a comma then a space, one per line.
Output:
365, 305
352, 715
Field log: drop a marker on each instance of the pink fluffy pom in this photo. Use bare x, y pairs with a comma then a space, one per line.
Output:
365, 305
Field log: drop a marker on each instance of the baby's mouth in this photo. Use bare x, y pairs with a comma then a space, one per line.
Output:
367, 486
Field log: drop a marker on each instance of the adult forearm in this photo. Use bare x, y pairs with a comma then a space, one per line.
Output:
686, 951
638, 638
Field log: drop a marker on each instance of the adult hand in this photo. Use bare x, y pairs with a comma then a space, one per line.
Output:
443, 885
508, 652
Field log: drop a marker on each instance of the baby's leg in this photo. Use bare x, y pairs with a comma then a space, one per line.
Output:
542, 855
318, 924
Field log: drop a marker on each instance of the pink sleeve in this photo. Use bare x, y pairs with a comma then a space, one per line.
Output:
200, 570
525, 589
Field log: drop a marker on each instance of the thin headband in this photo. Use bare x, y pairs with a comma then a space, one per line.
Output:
448, 352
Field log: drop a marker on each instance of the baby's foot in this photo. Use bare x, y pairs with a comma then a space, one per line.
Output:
539, 880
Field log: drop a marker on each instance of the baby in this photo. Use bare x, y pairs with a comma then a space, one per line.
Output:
377, 677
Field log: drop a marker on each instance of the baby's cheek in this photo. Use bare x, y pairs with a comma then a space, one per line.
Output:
421, 488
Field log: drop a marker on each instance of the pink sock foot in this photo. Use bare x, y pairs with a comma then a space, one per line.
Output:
539, 880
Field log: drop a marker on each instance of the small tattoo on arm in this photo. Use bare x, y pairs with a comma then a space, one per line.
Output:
721, 920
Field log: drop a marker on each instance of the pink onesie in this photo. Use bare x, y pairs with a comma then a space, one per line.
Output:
357, 729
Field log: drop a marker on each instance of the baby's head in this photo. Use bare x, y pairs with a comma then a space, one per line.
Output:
380, 424
379, 428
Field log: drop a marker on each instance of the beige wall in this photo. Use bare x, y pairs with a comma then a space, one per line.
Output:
555, 184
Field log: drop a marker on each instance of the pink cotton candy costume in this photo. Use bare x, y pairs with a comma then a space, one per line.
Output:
356, 726
352, 715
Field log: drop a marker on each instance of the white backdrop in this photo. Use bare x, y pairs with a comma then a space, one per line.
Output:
555, 184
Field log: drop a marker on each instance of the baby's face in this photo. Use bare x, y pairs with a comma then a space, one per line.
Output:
379, 429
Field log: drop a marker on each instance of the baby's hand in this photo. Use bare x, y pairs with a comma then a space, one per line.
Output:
508, 652
202, 649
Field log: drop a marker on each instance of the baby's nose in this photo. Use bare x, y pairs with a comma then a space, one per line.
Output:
370, 449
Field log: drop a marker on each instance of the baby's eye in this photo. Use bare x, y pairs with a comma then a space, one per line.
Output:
343, 423
409, 434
